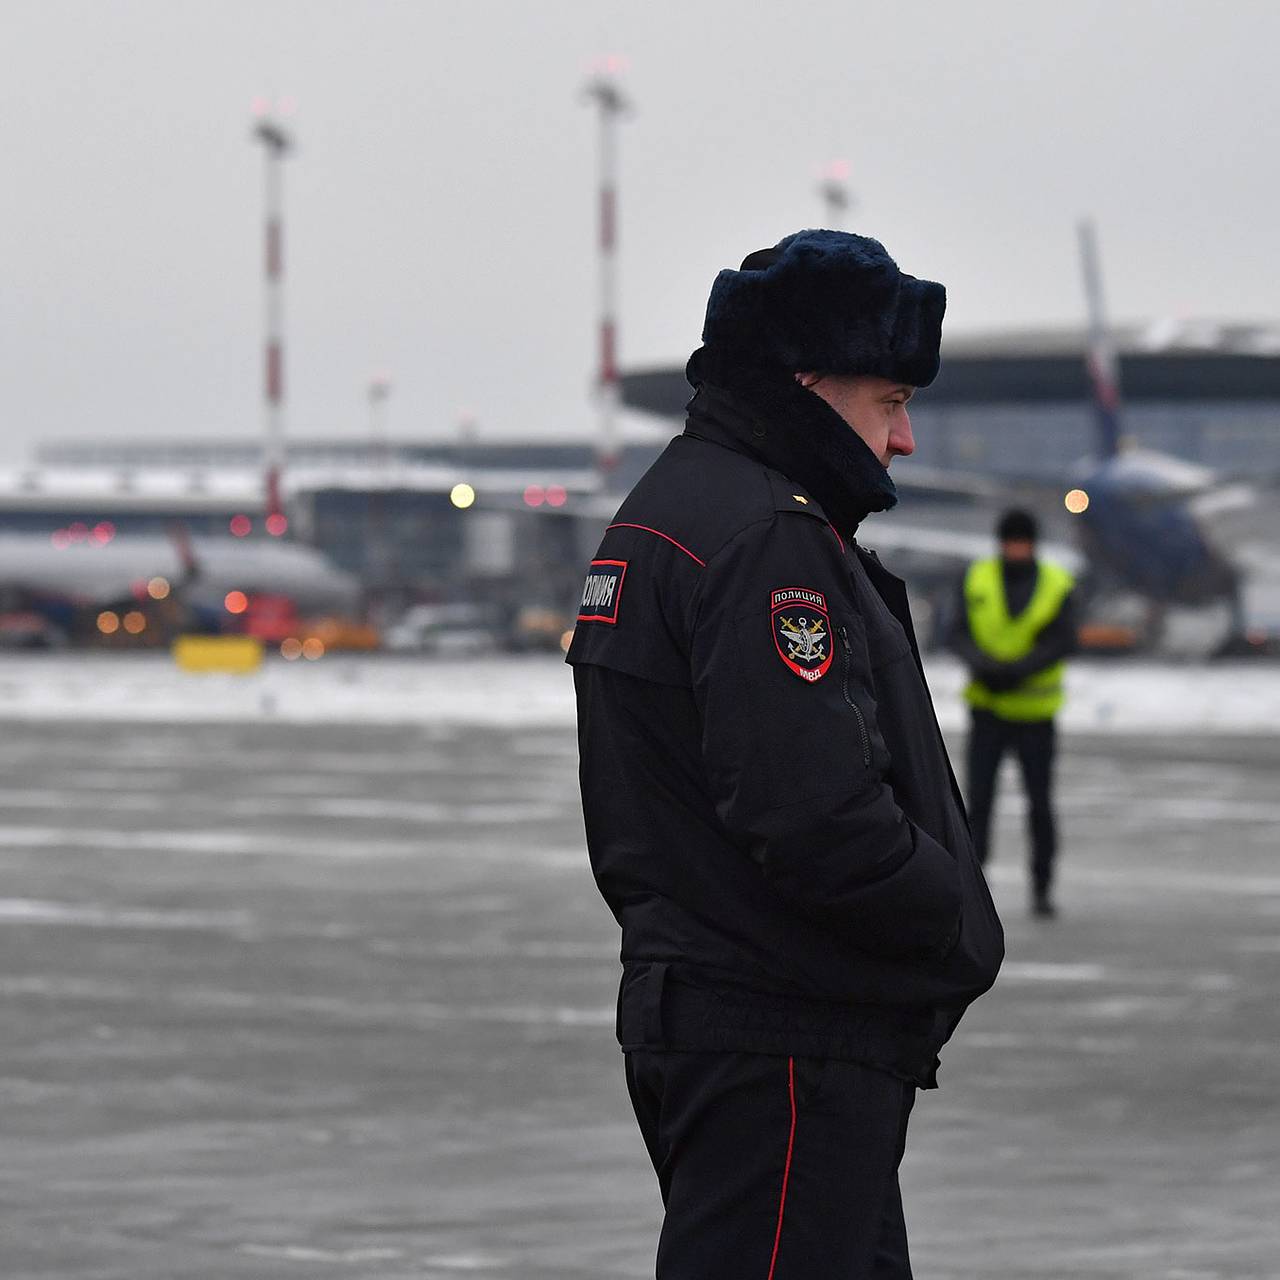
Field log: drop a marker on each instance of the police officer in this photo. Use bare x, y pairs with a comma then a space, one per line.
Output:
1015, 623
769, 808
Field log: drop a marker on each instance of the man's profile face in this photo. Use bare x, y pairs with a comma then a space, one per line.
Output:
876, 409
1017, 550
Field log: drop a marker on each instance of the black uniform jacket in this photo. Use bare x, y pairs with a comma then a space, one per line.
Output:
770, 812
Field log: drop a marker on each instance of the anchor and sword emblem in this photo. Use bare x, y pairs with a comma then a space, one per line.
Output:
804, 637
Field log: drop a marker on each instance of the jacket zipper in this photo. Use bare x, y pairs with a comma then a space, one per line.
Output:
857, 711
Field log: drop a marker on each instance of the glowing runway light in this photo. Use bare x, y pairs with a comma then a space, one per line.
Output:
135, 623
108, 623
534, 495
291, 649
103, 532
462, 496
158, 588
556, 495
312, 648
236, 601
1076, 501
241, 526
277, 524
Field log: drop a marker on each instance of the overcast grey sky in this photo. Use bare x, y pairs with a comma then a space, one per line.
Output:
440, 207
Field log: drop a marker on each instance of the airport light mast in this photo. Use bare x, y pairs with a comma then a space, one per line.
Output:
380, 565
833, 187
604, 91
277, 143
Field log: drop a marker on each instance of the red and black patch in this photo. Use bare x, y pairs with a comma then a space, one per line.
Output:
602, 591
802, 631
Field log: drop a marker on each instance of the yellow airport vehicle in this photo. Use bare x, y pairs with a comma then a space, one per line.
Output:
230, 655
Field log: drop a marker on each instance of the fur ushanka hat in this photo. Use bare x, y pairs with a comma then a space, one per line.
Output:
830, 302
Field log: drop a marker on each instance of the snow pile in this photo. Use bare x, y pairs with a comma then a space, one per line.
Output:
1125, 696
340, 688
514, 691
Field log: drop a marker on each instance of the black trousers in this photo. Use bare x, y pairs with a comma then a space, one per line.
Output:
1034, 743
774, 1168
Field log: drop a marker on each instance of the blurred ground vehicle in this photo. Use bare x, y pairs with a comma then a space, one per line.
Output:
28, 629
538, 629
462, 629
275, 619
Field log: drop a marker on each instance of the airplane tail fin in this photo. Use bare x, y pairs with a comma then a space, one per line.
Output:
1103, 367
181, 540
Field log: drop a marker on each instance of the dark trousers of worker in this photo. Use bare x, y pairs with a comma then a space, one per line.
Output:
774, 1168
1034, 744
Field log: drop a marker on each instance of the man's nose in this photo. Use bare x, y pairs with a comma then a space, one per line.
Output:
901, 441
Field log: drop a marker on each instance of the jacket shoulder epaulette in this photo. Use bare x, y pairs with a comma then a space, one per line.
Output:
791, 497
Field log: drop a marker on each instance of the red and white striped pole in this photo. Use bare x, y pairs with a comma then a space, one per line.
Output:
277, 144
605, 92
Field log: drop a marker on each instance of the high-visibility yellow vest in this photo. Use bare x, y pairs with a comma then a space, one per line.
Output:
1040, 695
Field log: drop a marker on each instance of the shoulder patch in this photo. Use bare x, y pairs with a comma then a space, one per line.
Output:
802, 631
602, 591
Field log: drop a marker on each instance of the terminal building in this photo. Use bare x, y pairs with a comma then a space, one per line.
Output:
390, 515
1018, 403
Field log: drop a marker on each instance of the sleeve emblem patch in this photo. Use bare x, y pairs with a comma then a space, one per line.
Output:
602, 591
802, 631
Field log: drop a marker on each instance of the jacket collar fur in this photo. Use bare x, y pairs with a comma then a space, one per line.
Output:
774, 419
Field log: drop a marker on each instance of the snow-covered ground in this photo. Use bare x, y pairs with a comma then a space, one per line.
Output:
508, 691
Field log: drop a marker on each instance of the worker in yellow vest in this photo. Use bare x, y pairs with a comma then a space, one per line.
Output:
1014, 625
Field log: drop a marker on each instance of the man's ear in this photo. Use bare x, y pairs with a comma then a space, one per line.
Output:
808, 380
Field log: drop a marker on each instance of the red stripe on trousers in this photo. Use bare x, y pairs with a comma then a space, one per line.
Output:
786, 1169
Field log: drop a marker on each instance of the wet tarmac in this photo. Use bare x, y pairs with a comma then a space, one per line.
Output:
337, 1001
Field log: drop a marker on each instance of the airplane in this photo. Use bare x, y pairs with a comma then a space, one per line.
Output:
54, 591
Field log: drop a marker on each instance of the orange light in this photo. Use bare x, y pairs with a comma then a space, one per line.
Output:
534, 495
277, 524
135, 623
291, 649
312, 648
158, 588
1076, 501
108, 623
236, 601
556, 495
241, 526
